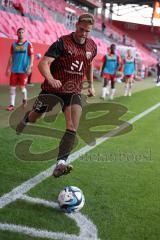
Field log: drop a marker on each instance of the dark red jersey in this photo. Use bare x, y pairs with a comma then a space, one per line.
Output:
70, 64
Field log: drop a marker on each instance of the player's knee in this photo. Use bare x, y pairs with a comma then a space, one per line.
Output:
105, 83
12, 90
32, 118
23, 90
112, 85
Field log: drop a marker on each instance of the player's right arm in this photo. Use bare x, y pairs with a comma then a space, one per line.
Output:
122, 66
55, 50
104, 60
44, 68
8, 69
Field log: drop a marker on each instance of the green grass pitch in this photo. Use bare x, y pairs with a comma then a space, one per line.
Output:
120, 178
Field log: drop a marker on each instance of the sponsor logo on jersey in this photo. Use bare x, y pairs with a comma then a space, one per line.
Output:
88, 55
77, 65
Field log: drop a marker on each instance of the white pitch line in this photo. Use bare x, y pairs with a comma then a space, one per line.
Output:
88, 230
134, 119
29, 184
33, 232
40, 201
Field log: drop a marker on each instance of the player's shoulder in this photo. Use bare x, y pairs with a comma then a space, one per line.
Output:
65, 37
91, 45
65, 40
29, 43
92, 42
14, 43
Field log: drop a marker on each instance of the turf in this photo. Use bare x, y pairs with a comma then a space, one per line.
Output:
120, 178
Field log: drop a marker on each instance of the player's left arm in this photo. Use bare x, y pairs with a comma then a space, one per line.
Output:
9, 64
122, 65
135, 65
89, 75
31, 54
104, 61
119, 63
135, 68
10, 60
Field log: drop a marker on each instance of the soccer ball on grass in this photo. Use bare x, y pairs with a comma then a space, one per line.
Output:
71, 199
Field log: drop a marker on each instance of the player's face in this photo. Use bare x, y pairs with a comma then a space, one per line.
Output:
82, 31
20, 34
113, 48
129, 53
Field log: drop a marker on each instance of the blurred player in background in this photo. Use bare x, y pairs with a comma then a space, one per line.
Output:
111, 64
19, 66
129, 68
158, 73
64, 66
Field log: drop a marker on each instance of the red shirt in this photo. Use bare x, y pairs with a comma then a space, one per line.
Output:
70, 64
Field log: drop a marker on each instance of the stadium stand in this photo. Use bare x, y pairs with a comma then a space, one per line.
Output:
45, 22
141, 33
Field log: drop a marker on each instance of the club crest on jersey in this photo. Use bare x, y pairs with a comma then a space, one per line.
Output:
88, 55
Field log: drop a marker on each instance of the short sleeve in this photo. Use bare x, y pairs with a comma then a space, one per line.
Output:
11, 50
104, 58
95, 51
118, 59
56, 49
30, 49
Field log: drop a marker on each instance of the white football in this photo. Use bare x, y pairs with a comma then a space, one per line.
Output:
71, 199
38, 55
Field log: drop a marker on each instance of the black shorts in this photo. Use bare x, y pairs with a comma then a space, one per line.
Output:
46, 101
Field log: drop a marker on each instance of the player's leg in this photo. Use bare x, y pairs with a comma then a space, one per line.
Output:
29, 117
106, 86
104, 89
29, 83
24, 94
13, 84
44, 103
130, 86
158, 80
22, 81
126, 86
113, 90
72, 115
39, 107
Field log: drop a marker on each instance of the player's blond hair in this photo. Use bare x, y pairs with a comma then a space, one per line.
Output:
86, 17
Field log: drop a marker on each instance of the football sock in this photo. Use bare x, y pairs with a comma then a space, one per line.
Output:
24, 93
112, 85
12, 95
66, 144
104, 91
126, 88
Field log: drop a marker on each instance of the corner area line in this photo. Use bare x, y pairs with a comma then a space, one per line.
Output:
29, 184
